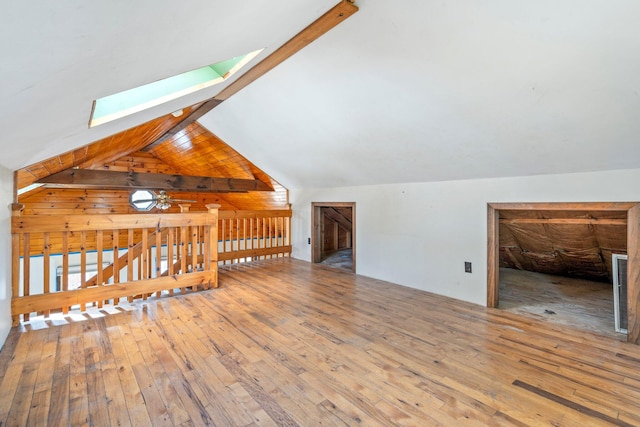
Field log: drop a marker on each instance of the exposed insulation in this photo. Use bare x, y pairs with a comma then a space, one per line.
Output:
566, 243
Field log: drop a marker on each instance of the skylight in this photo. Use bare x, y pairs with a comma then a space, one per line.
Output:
131, 101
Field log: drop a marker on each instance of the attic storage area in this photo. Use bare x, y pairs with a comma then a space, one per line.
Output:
337, 236
557, 265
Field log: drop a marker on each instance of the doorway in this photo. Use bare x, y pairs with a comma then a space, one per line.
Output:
550, 215
333, 234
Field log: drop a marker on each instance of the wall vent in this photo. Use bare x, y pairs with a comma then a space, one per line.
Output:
620, 292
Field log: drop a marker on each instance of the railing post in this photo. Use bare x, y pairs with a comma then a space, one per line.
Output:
16, 209
211, 262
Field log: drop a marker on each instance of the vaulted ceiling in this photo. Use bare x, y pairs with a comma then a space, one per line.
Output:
415, 90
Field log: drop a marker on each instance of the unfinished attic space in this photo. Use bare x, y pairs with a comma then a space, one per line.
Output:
334, 230
560, 266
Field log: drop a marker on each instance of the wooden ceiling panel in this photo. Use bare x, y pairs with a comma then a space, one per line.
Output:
569, 243
140, 162
193, 151
103, 151
197, 152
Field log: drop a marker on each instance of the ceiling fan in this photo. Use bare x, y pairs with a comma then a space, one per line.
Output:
145, 200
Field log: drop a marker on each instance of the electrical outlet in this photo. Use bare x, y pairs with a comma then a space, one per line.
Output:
467, 267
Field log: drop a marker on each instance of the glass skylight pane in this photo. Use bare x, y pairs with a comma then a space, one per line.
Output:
131, 101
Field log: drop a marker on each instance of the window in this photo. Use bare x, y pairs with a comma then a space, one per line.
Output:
131, 101
142, 200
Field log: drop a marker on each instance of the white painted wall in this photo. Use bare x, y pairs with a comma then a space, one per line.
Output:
420, 234
6, 191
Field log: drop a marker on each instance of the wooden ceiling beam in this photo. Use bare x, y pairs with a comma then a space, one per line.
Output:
100, 179
336, 216
317, 28
200, 111
555, 206
312, 32
565, 221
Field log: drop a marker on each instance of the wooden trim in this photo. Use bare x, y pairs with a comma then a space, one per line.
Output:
56, 223
272, 250
632, 211
565, 221
493, 246
633, 274
320, 26
316, 229
275, 213
15, 187
559, 206
36, 303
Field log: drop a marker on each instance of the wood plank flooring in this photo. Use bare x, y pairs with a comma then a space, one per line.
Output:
287, 343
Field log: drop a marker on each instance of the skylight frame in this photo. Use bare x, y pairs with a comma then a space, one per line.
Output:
131, 101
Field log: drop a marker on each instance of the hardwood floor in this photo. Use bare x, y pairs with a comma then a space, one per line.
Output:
288, 343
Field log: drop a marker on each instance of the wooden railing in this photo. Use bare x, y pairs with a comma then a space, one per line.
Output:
145, 254
251, 235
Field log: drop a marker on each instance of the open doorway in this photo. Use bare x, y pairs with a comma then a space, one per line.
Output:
574, 238
333, 237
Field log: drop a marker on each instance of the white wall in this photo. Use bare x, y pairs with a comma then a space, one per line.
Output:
420, 234
6, 191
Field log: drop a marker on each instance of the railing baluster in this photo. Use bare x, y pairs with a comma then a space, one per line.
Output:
46, 252
158, 256
270, 235
83, 264
130, 254
27, 270
183, 254
251, 230
116, 257
170, 253
100, 259
145, 254
244, 233
15, 270
264, 234
211, 257
65, 267
194, 249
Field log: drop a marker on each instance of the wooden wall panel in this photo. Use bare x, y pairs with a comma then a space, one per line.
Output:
329, 244
344, 238
60, 201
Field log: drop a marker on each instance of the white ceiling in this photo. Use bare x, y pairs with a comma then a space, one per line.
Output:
410, 91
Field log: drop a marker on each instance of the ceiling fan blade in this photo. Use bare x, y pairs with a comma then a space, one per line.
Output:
145, 200
181, 200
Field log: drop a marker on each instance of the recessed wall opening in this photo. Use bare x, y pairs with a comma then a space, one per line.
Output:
333, 234
554, 261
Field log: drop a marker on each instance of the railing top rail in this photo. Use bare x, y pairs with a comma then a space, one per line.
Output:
56, 223
276, 213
